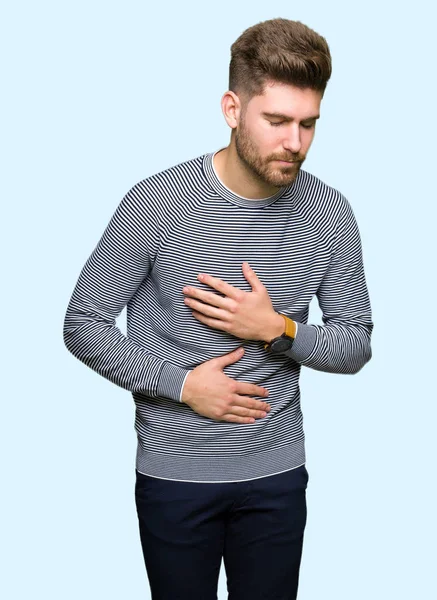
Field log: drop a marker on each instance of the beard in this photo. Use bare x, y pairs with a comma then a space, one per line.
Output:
265, 169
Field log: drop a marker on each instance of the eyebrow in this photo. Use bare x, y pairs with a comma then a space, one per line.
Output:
277, 115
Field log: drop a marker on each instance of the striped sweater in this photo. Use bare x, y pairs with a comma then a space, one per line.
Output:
302, 242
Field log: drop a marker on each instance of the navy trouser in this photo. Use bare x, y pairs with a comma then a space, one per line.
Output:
256, 526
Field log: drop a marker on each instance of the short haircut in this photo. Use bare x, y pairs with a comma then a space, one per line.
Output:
278, 50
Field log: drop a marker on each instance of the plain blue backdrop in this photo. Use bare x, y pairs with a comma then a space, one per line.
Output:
99, 95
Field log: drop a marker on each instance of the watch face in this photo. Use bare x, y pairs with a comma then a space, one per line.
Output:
281, 344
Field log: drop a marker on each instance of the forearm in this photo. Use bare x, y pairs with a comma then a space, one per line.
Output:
334, 348
99, 344
118, 265
342, 343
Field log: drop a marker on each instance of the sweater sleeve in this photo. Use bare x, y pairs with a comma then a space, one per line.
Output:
342, 344
120, 261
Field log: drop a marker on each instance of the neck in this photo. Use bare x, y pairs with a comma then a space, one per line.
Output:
236, 176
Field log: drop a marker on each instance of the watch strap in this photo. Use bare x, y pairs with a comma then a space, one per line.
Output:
290, 330
290, 327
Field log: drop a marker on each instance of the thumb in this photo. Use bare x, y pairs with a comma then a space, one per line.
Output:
229, 358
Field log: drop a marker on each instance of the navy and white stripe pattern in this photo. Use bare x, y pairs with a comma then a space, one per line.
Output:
302, 242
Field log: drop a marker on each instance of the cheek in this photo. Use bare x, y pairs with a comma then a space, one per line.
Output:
269, 140
265, 143
309, 138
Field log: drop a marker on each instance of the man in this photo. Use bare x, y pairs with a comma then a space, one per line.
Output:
217, 260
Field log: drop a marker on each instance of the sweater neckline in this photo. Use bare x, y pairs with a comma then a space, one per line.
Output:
225, 192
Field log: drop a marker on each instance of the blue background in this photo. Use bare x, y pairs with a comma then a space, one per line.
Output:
99, 95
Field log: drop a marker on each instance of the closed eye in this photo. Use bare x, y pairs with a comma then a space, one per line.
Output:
281, 122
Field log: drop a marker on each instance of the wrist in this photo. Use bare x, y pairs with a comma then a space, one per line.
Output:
185, 392
276, 328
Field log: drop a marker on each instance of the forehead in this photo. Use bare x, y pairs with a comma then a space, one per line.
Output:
287, 99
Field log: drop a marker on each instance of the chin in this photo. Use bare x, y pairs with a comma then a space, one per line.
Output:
281, 180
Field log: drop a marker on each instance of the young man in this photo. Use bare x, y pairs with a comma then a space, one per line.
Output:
217, 260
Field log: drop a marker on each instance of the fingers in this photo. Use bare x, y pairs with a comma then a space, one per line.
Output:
251, 389
230, 418
239, 409
220, 285
251, 403
242, 413
229, 358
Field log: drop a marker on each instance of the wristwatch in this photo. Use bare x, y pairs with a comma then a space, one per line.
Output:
285, 341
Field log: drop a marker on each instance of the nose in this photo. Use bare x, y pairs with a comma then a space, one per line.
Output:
292, 142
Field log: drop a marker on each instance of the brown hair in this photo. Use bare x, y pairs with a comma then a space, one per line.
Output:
280, 50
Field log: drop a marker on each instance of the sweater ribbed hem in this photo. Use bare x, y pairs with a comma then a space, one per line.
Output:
221, 469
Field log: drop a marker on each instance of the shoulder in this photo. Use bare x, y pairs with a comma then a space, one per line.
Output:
319, 200
162, 192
